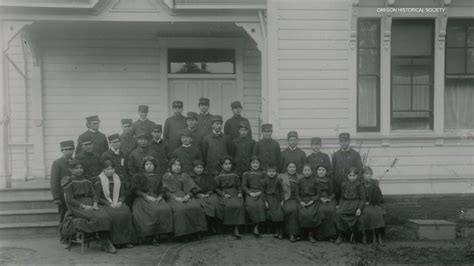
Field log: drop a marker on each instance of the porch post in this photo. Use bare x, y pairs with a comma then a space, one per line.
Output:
5, 173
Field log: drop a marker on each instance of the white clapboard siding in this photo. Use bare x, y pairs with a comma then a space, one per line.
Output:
313, 67
92, 75
252, 85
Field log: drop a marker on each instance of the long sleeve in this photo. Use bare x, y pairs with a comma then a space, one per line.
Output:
106, 143
228, 143
278, 156
79, 146
316, 196
131, 166
245, 183
69, 195
299, 191
237, 182
227, 127
334, 165
362, 196
92, 192
218, 187
98, 190
55, 181
331, 193
166, 130
343, 189
250, 129
358, 161
205, 145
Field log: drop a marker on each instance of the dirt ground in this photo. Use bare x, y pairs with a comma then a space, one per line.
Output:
226, 250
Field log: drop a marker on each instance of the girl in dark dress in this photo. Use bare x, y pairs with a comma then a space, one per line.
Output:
152, 216
252, 184
373, 212
112, 197
179, 189
326, 205
307, 196
206, 196
289, 181
230, 191
82, 201
350, 205
273, 198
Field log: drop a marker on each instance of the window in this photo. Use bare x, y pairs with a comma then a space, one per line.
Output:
459, 69
368, 75
201, 61
412, 74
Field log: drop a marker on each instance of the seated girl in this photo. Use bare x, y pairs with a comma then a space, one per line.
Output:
307, 196
152, 216
252, 185
179, 189
112, 195
230, 191
273, 198
206, 196
373, 213
82, 201
289, 182
350, 206
327, 205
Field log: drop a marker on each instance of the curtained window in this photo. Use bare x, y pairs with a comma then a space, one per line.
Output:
368, 75
201, 61
459, 68
412, 74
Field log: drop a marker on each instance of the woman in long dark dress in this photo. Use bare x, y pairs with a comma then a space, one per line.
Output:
179, 189
373, 214
326, 205
152, 215
350, 205
307, 196
252, 185
230, 191
112, 197
82, 201
206, 196
289, 181
273, 198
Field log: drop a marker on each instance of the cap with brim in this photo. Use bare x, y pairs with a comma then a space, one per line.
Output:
126, 122
141, 135
68, 144
186, 133
316, 140
87, 140
243, 124
217, 118
92, 119
192, 115
143, 108
157, 128
267, 127
177, 104
204, 101
344, 136
292, 134
113, 138
236, 104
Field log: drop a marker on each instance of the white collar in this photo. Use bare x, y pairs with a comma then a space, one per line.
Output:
143, 120
91, 130
186, 146
206, 113
292, 149
158, 141
114, 150
216, 133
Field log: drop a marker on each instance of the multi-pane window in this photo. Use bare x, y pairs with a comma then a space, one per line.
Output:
412, 74
201, 61
368, 75
459, 67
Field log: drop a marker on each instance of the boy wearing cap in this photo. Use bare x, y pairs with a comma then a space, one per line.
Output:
160, 148
143, 123
98, 138
242, 149
128, 142
89, 159
173, 126
343, 160
187, 153
204, 117
135, 159
267, 149
318, 158
293, 153
60, 169
215, 146
197, 133
231, 126
117, 157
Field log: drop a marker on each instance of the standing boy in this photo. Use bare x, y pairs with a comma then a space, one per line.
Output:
215, 146
98, 138
188, 152
60, 169
143, 124
117, 157
160, 148
343, 160
231, 127
143, 150
204, 117
293, 153
317, 157
267, 149
128, 142
173, 126
197, 134
89, 159
242, 149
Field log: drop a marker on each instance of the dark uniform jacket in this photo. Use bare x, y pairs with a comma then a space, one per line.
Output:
59, 169
120, 162
373, 194
242, 150
91, 163
214, 148
162, 153
187, 155
269, 153
320, 158
205, 123
135, 160
297, 155
231, 126
128, 144
198, 135
143, 126
342, 161
171, 132
98, 139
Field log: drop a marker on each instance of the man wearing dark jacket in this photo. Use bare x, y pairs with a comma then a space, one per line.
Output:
173, 126
98, 139
215, 146
267, 149
293, 153
231, 126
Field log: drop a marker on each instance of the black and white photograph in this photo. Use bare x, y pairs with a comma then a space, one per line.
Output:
236, 132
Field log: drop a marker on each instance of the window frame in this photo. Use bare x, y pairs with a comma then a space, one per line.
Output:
233, 50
